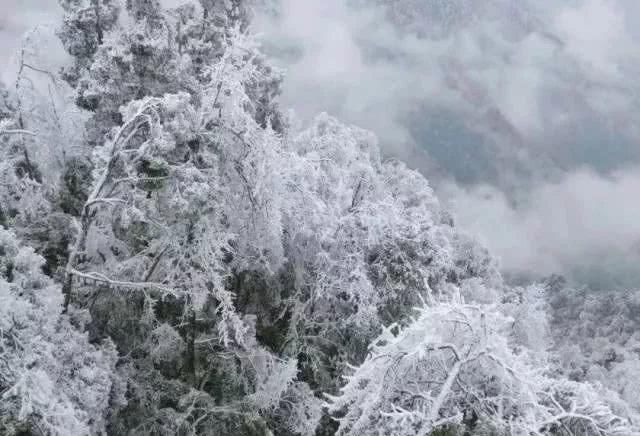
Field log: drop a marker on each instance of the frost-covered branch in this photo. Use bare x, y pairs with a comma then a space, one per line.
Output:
117, 284
17, 132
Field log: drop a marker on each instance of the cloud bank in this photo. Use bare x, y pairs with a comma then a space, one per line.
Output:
585, 226
523, 78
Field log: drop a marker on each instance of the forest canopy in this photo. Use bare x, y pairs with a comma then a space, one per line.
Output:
178, 257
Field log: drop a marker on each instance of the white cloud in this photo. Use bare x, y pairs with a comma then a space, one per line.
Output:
20, 16
585, 225
513, 71
596, 32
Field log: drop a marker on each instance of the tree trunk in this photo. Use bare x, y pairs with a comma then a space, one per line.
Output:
190, 364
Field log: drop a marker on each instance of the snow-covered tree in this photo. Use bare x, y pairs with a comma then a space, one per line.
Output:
181, 186
52, 380
597, 336
365, 240
183, 196
84, 27
20, 179
152, 53
457, 367
40, 135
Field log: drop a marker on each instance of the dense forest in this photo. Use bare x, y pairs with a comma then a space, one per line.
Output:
178, 258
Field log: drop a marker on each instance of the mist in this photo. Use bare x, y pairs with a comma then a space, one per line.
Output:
584, 226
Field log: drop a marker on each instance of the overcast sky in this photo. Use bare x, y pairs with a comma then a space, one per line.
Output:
524, 113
